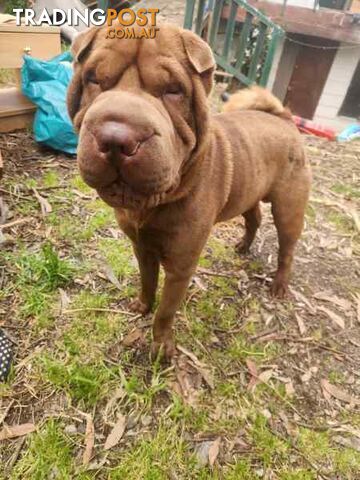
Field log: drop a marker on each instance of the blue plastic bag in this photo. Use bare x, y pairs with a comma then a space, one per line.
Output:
351, 132
45, 83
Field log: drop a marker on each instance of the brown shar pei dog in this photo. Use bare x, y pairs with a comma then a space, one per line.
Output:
170, 170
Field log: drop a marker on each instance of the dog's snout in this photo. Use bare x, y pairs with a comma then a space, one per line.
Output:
117, 136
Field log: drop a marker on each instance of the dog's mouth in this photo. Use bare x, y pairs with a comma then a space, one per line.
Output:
119, 194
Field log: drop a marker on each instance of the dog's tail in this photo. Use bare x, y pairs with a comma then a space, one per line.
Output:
255, 98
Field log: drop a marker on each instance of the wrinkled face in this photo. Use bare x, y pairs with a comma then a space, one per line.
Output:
141, 110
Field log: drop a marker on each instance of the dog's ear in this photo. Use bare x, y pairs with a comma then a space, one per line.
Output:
80, 47
200, 57
82, 43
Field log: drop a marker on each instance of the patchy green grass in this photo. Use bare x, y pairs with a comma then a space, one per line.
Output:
320, 449
341, 222
49, 455
348, 191
86, 383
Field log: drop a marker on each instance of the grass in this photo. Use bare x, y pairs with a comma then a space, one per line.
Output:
349, 191
86, 383
49, 455
71, 358
319, 448
341, 222
37, 277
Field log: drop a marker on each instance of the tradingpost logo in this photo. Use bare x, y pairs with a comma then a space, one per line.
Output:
127, 23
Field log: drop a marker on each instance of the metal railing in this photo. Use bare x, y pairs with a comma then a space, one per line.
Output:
242, 38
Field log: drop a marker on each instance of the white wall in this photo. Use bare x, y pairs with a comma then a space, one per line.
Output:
336, 87
275, 64
296, 3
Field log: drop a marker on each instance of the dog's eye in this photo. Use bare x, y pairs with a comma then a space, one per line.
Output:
91, 78
173, 91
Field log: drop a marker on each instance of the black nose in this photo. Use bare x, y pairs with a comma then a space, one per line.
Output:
112, 136
225, 96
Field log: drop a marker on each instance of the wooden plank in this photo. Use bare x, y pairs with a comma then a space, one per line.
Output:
355, 6
13, 102
11, 28
16, 122
16, 111
13, 45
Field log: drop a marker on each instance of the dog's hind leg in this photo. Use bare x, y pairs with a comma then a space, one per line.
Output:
288, 211
252, 223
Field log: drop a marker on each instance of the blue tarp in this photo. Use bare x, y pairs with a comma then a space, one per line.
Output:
45, 83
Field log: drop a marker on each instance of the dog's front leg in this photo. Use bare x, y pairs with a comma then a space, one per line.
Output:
175, 286
149, 266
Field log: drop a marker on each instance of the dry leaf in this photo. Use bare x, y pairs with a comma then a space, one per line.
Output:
340, 302
301, 324
189, 354
199, 283
116, 433
289, 389
110, 275
353, 442
291, 429
305, 378
333, 316
338, 393
254, 374
44, 204
202, 453
89, 440
348, 429
301, 298
357, 303
14, 431
132, 337
214, 451
199, 366
188, 393
117, 395
265, 376
81, 194
64, 300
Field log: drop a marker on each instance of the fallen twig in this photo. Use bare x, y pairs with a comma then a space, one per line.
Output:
7, 409
15, 223
105, 310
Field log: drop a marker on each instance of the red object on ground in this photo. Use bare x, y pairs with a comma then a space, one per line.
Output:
308, 126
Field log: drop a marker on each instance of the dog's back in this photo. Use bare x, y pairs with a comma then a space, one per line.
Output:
264, 143
256, 98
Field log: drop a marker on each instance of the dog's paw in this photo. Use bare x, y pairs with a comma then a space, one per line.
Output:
165, 350
242, 247
279, 288
138, 306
